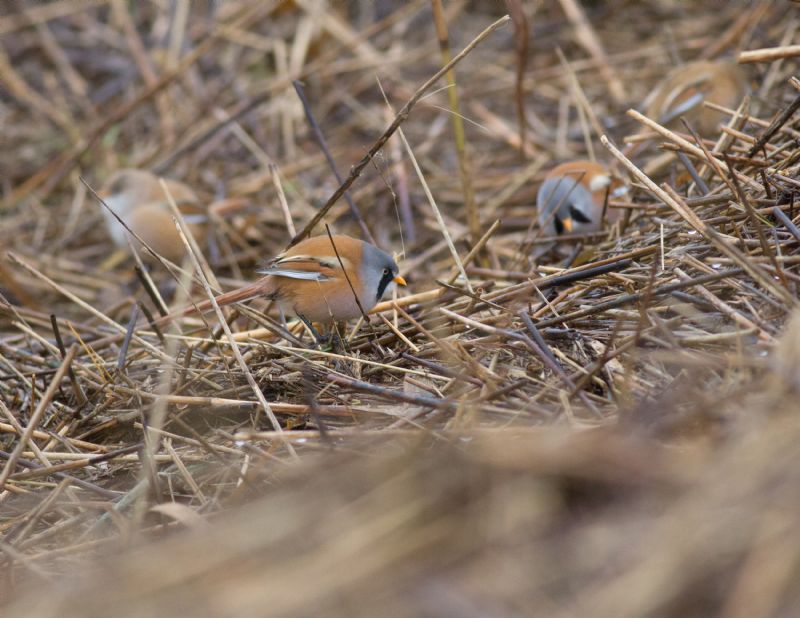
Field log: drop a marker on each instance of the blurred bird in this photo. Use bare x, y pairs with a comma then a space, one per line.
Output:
308, 280
137, 198
684, 90
573, 195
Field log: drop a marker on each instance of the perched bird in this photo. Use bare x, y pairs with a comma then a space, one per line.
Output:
308, 279
137, 198
572, 197
685, 88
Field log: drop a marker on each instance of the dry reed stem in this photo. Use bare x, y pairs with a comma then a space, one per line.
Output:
399, 118
464, 160
234, 347
770, 54
41, 406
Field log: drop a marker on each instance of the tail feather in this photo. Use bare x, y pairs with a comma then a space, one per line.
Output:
247, 292
258, 288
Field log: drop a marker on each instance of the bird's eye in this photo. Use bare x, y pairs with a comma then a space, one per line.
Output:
385, 271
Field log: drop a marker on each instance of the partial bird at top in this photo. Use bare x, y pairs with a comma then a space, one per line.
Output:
685, 88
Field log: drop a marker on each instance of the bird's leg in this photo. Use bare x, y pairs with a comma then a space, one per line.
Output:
319, 339
339, 347
336, 339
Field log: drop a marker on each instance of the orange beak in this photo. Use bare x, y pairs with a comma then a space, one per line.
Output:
567, 223
399, 280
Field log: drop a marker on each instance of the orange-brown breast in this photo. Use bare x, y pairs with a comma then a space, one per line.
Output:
321, 301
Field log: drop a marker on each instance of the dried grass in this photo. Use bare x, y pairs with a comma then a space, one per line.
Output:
606, 426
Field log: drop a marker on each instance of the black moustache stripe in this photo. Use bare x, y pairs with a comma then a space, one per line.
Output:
383, 284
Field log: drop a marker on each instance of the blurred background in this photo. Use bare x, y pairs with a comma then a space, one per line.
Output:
601, 423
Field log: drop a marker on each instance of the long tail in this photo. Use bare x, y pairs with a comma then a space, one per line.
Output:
258, 288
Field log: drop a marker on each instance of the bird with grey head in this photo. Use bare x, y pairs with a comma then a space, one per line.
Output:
573, 196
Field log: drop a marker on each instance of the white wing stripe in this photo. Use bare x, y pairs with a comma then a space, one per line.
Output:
323, 260
690, 103
195, 218
294, 274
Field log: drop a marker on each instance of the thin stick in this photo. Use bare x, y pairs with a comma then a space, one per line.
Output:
236, 352
62, 163
287, 214
86, 306
787, 222
401, 116
701, 184
686, 145
582, 104
775, 126
298, 88
365, 387
477, 248
123, 349
624, 299
464, 166
36, 417
149, 287
14, 427
756, 222
543, 351
108, 495
588, 39
346, 276
76, 387
521, 30
208, 273
436, 213
672, 199
769, 54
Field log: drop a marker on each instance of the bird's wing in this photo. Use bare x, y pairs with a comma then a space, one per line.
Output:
195, 219
682, 108
307, 275
307, 267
